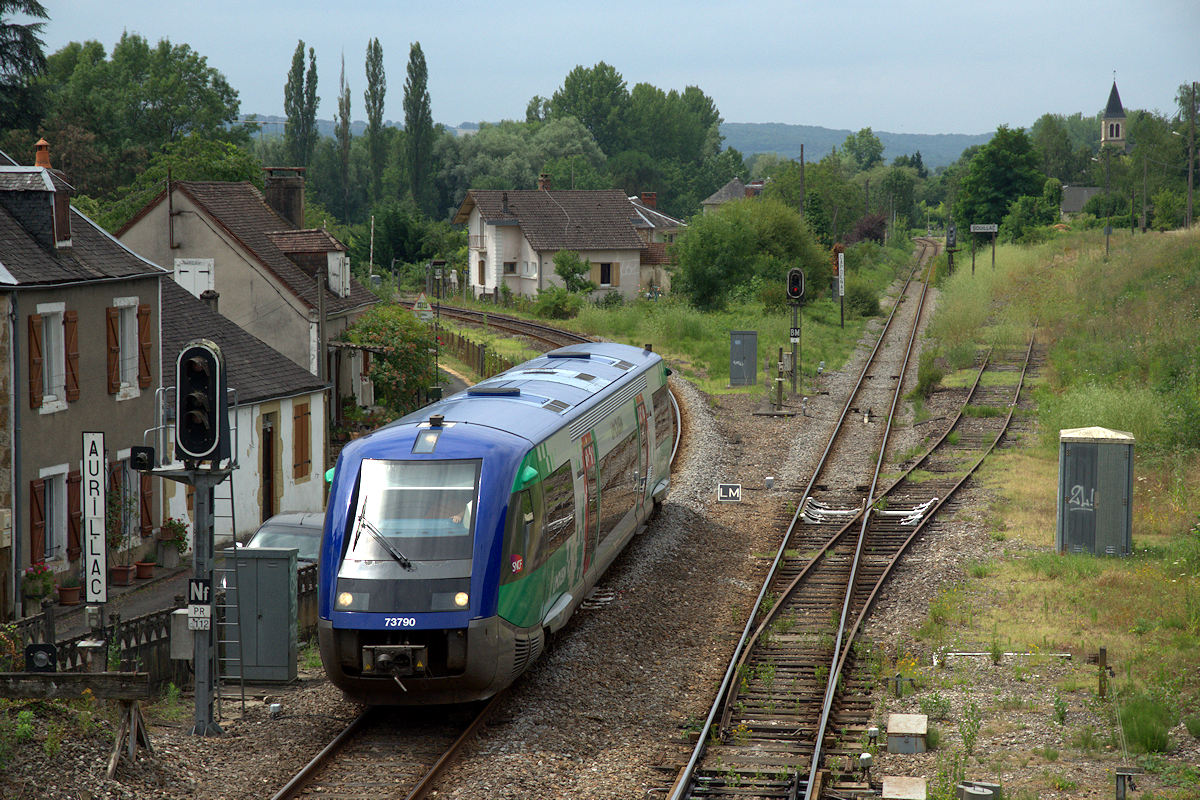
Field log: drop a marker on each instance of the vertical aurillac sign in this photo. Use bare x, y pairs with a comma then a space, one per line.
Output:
95, 568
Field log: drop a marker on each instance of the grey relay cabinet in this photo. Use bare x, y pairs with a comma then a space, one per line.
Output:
264, 611
1095, 492
743, 358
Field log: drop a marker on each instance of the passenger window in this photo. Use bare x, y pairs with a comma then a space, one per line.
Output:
522, 535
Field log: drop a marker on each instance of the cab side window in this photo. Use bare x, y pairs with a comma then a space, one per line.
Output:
522, 535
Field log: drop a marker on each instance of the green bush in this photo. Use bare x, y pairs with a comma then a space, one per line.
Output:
929, 374
611, 300
861, 298
1145, 721
555, 302
1193, 725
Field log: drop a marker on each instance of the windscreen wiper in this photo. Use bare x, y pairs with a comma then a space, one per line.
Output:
363, 522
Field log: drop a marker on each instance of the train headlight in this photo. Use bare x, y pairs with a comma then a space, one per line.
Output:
461, 599
345, 599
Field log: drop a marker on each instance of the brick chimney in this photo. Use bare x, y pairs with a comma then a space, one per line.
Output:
544, 182
211, 298
283, 189
650, 199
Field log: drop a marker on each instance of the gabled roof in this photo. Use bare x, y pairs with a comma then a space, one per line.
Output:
257, 371
1114, 110
653, 218
656, 253
240, 209
93, 254
567, 219
734, 190
305, 240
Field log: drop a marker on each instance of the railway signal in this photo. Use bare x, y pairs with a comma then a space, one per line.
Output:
795, 291
795, 283
200, 413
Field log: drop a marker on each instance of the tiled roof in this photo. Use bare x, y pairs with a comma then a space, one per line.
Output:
734, 190
253, 368
242, 211
656, 253
652, 217
306, 240
570, 219
1114, 110
93, 255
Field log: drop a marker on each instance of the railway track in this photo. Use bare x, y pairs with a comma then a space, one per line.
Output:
545, 335
792, 697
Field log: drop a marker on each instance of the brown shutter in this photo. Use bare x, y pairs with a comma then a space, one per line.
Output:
37, 521
74, 514
594, 273
144, 341
366, 362
614, 273
301, 458
113, 324
71, 346
147, 503
35, 360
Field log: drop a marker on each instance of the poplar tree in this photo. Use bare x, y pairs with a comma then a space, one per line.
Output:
300, 105
343, 139
373, 98
418, 131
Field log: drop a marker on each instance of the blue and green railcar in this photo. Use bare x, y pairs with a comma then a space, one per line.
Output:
457, 538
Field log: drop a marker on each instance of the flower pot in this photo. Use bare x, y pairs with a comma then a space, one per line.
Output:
120, 574
69, 595
168, 555
144, 569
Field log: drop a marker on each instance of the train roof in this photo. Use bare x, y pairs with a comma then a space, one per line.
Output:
561, 387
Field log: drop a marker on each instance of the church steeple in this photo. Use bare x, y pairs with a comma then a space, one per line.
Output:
1112, 124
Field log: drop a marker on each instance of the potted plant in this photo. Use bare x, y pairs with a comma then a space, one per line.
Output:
38, 581
145, 568
116, 534
173, 543
69, 590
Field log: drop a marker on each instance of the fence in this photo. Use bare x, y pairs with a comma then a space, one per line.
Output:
144, 643
477, 356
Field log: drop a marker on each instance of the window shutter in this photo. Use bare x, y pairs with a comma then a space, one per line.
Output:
301, 458
35, 360
74, 514
113, 324
366, 362
594, 274
614, 273
143, 316
37, 521
71, 347
147, 503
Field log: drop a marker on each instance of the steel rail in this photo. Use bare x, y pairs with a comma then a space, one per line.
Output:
425, 785
684, 779
302, 778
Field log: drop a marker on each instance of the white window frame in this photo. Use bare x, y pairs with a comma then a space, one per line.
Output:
54, 358
127, 340
131, 488
55, 511
611, 266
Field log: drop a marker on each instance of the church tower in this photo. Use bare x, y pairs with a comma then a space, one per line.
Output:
1112, 124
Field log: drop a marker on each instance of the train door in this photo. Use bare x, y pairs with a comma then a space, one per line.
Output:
644, 462
591, 499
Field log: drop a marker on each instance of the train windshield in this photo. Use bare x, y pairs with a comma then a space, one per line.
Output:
411, 511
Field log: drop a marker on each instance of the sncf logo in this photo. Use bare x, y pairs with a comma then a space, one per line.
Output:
518, 564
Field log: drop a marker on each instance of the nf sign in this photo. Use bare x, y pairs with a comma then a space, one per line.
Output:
199, 604
729, 492
95, 562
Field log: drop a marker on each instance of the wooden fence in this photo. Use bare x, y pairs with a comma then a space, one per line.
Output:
477, 356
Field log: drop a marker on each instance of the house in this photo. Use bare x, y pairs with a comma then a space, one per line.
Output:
1074, 198
657, 230
278, 425
514, 235
251, 248
734, 190
82, 341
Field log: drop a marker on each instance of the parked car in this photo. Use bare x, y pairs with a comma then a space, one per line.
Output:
298, 529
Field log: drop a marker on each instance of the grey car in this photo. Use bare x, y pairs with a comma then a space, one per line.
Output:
298, 529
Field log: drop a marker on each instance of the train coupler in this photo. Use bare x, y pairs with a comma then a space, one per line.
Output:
397, 660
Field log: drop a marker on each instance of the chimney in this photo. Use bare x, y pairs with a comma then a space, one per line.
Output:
650, 199
504, 201
210, 298
41, 205
544, 182
284, 192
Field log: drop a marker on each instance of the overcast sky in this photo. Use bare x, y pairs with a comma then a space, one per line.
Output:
911, 67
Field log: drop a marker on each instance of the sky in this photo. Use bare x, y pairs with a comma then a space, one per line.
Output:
902, 67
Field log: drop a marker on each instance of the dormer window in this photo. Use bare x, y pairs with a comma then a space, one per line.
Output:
339, 273
62, 219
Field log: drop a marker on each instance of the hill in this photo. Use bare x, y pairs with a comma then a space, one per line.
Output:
937, 150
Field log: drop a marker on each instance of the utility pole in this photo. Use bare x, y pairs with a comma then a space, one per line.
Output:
802, 180
1191, 150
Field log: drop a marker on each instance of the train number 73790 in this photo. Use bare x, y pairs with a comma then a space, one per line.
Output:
399, 622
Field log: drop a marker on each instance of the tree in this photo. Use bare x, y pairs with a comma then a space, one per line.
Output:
574, 271
400, 364
418, 131
300, 103
373, 97
598, 98
864, 149
21, 60
743, 241
342, 133
1004, 169
538, 109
